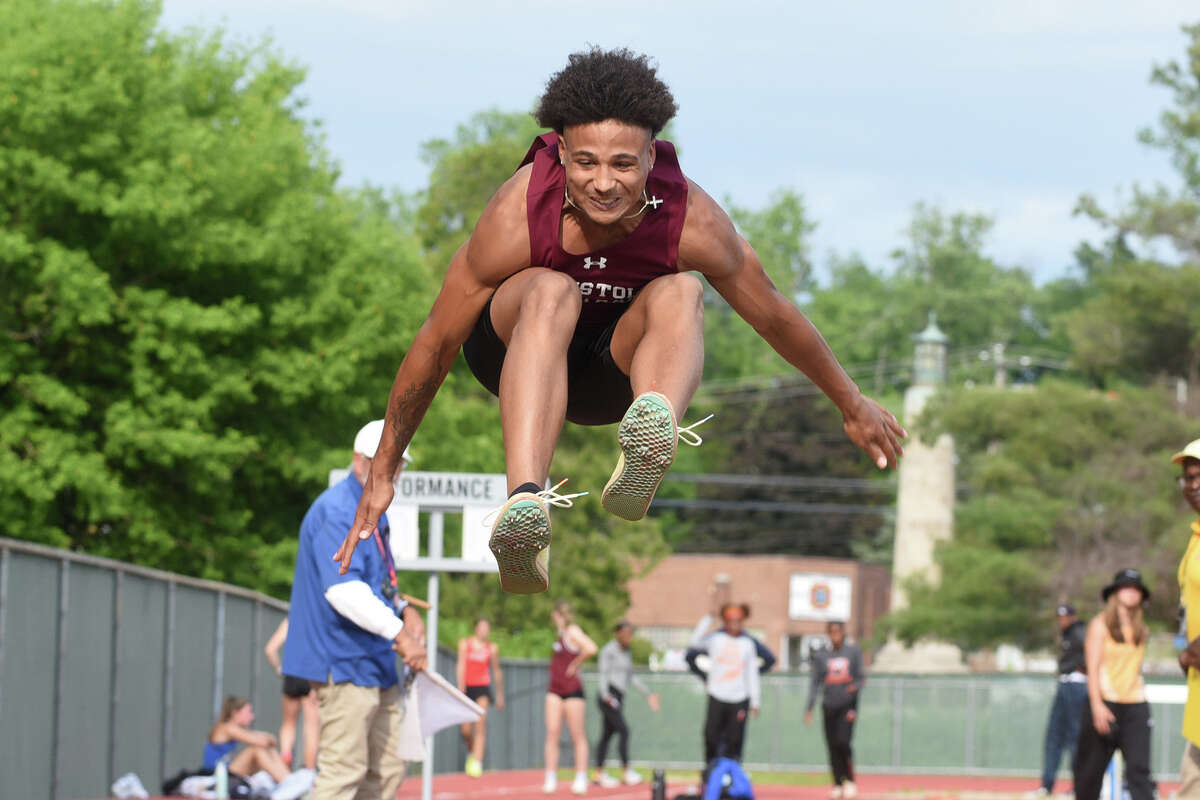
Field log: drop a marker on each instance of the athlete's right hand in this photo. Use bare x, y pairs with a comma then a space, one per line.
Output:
376, 497
1102, 717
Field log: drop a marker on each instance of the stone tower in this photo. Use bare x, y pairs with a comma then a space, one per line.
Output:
924, 507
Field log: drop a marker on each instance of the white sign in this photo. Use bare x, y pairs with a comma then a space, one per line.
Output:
813, 595
454, 489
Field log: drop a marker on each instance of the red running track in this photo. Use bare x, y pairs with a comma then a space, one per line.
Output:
527, 785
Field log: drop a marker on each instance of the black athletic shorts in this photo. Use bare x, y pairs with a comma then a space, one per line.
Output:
598, 392
476, 692
577, 693
296, 687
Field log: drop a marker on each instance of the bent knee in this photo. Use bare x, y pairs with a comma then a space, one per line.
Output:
681, 290
549, 291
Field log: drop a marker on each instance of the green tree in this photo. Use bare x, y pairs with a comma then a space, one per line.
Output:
195, 319
1066, 484
869, 316
465, 171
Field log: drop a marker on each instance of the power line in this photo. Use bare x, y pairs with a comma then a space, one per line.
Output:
786, 482
771, 506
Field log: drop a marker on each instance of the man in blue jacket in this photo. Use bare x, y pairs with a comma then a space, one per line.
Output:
342, 630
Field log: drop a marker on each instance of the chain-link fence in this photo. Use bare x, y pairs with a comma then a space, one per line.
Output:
108, 668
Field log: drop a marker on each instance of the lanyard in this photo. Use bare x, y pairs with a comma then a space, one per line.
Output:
387, 557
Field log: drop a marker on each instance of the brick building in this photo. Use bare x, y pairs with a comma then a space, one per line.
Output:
791, 598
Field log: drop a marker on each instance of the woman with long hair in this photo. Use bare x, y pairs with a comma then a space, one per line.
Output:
233, 729
478, 664
1117, 715
564, 697
298, 698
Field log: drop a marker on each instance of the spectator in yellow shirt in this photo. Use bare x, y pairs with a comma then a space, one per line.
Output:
1189, 591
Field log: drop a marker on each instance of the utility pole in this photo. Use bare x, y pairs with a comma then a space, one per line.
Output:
999, 365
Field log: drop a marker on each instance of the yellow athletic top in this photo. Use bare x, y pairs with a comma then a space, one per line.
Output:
1121, 669
1189, 593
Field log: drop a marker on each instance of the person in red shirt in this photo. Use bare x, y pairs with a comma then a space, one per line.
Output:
478, 662
573, 299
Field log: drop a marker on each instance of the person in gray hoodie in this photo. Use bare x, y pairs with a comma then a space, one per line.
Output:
732, 682
840, 669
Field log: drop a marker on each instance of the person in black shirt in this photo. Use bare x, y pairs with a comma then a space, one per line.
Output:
840, 670
1062, 729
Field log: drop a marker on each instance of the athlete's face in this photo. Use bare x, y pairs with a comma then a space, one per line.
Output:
483, 629
1189, 481
625, 637
244, 716
1129, 596
837, 635
607, 164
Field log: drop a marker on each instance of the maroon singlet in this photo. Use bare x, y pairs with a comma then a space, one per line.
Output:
608, 278
562, 684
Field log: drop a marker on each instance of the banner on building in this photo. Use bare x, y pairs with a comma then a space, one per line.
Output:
813, 595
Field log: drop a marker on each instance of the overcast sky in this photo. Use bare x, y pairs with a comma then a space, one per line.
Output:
1012, 108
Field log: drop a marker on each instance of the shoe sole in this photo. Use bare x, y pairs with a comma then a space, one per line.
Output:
520, 541
648, 441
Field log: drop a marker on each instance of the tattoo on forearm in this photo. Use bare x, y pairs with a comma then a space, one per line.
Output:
405, 411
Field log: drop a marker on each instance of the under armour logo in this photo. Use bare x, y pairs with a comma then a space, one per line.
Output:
599, 263
654, 202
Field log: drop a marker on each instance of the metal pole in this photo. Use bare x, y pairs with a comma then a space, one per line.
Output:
970, 744
60, 676
114, 685
168, 701
218, 686
3, 610
436, 527
897, 719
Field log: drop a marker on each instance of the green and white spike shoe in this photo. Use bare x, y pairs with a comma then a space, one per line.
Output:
648, 438
521, 536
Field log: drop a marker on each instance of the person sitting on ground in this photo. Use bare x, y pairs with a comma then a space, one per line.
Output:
233, 729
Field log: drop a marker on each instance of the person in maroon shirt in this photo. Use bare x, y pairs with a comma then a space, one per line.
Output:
574, 299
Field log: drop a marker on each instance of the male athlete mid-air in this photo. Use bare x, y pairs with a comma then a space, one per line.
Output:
572, 299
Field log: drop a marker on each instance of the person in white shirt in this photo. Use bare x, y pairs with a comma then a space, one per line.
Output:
732, 683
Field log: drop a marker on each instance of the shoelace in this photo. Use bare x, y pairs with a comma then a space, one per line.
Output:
688, 435
550, 497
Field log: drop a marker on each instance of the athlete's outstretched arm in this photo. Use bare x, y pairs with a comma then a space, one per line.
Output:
711, 245
498, 247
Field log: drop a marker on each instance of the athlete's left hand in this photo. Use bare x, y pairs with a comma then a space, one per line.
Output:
654, 702
754, 713
875, 430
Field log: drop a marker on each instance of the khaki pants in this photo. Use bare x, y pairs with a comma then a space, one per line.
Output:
1189, 774
360, 740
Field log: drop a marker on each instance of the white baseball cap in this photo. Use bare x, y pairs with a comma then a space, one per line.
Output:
367, 441
1191, 451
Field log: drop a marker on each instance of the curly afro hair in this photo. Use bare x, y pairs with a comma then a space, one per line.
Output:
606, 84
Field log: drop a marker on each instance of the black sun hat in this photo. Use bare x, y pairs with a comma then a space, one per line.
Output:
1126, 577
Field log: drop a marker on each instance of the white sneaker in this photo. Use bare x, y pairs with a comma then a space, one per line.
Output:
631, 778
835, 793
1039, 792
607, 781
550, 785
849, 790
579, 785
129, 786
